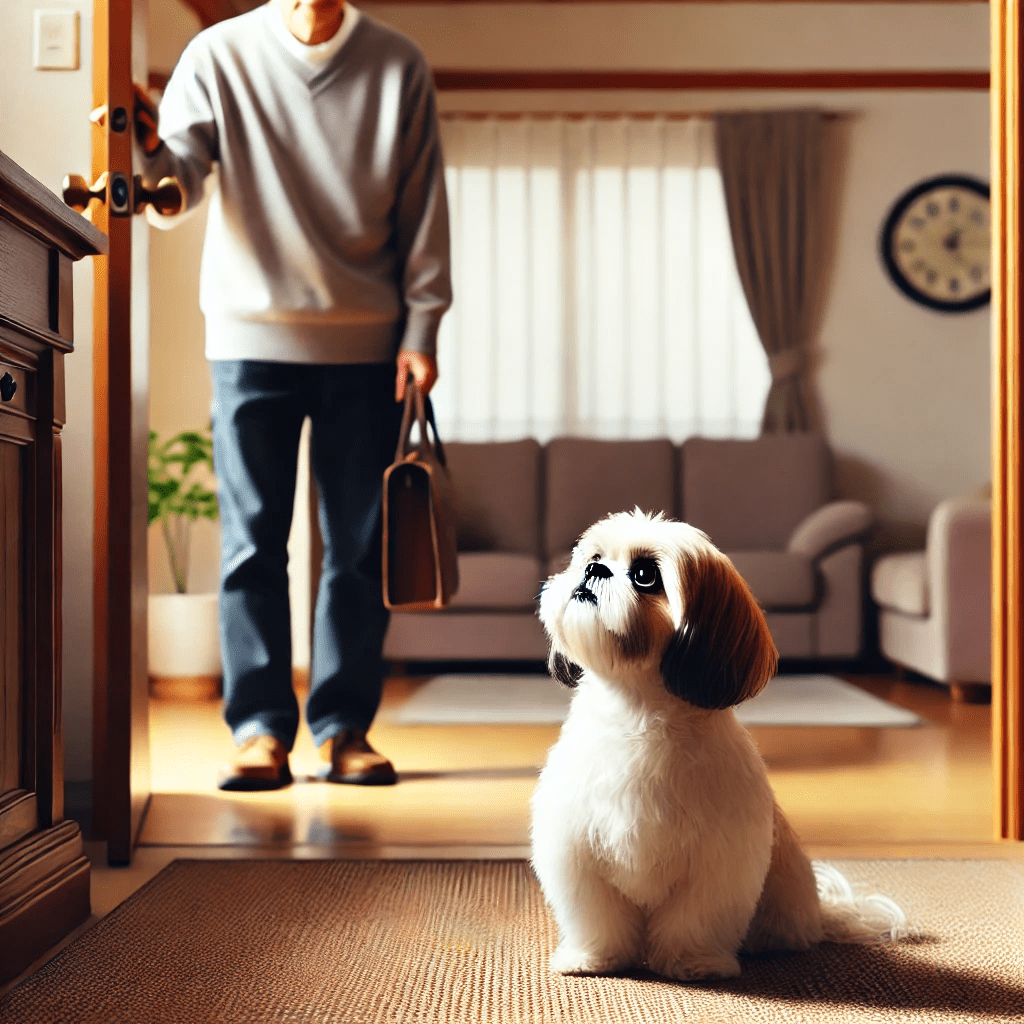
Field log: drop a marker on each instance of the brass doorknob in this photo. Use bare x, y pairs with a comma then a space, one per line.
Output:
166, 197
78, 193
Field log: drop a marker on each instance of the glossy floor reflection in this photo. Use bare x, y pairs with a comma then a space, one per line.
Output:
469, 786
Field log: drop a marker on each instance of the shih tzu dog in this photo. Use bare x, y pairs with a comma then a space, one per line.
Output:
655, 834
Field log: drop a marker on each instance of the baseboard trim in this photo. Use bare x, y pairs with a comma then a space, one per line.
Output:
186, 688
44, 895
18, 816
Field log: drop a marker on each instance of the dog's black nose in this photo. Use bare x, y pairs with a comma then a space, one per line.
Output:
602, 572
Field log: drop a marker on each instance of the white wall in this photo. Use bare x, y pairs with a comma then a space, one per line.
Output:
694, 36
44, 126
905, 390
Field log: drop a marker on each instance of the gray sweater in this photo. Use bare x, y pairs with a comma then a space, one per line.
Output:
327, 240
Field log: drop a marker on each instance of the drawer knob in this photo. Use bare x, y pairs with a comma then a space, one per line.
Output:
8, 385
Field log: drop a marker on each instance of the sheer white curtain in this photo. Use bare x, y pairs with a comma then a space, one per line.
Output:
596, 292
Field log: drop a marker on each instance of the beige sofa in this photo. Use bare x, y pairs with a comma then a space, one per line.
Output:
768, 503
935, 605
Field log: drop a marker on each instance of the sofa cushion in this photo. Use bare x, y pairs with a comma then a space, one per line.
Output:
497, 495
900, 582
586, 479
751, 495
497, 580
778, 579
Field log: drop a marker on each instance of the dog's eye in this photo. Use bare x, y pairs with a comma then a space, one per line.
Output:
645, 576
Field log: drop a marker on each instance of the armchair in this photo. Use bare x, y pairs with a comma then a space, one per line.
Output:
935, 605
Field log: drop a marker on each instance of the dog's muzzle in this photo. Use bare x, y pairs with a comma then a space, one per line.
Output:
594, 570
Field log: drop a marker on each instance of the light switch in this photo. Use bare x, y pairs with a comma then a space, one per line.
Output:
56, 40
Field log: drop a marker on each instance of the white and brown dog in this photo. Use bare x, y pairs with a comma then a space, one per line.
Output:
655, 833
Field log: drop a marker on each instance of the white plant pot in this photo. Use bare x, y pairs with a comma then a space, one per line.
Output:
184, 636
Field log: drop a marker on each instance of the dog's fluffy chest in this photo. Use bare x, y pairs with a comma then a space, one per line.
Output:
647, 802
634, 825
629, 798
625, 802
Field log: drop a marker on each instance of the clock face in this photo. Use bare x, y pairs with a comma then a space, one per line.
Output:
936, 243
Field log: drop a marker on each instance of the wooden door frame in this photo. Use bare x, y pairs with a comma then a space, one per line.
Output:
1007, 440
1007, 446
120, 696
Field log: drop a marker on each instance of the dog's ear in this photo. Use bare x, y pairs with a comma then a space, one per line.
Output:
723, 653
565, 671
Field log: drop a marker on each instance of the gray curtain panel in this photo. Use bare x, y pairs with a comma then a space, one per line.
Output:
772, 172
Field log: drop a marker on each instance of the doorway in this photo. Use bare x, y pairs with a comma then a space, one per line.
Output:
959, 742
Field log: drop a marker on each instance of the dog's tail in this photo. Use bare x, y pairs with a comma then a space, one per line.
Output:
846, 917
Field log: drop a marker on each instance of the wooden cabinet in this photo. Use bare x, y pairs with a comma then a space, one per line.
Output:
44, 874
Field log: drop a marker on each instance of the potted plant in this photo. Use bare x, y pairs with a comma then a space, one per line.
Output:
184, 632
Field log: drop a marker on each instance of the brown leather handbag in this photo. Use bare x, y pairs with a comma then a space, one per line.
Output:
420, 569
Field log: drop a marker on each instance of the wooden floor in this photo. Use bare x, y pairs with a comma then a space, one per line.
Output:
464, 790
469, 786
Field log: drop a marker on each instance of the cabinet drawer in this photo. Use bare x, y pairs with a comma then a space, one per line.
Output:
25, 284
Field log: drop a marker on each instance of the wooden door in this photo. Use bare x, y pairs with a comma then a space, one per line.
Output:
1008, 422
120, 396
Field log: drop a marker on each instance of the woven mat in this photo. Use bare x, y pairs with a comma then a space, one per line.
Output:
248, 942
812, 700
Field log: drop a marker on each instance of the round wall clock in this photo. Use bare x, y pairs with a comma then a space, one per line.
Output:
935, 243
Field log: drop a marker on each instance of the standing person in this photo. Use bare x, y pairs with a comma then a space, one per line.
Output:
325, 264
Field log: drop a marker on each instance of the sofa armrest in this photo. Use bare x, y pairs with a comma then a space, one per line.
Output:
829, 527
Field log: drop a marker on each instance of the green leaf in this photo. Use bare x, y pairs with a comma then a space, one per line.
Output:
173, 494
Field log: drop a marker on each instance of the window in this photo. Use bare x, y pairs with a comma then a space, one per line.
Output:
596, 292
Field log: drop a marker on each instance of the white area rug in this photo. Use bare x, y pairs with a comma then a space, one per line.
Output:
820, 700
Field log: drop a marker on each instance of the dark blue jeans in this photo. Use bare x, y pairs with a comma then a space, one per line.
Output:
258, 411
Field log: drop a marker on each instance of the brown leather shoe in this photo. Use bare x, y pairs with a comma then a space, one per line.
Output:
355, 762
261, 762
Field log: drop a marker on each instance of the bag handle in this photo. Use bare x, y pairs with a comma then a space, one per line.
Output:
424, 415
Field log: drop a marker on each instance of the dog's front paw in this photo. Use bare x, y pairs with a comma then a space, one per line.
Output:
573, 960
695, 966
